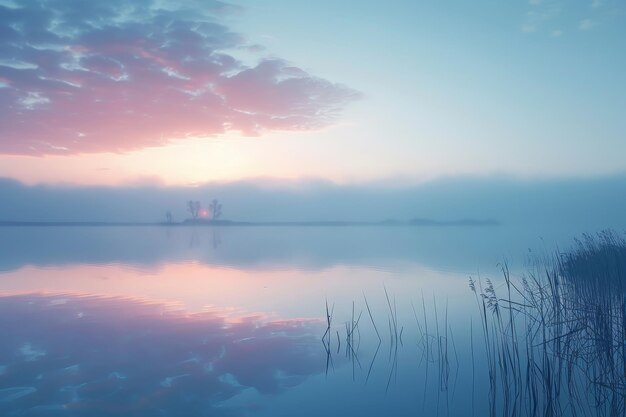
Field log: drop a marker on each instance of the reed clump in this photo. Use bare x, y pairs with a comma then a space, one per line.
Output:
555, 342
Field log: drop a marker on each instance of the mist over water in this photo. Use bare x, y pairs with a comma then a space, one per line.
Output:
235, 320
568, 204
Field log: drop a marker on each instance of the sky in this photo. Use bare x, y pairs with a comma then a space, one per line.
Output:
156, 92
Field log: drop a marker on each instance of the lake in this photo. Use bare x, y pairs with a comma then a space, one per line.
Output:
263, 321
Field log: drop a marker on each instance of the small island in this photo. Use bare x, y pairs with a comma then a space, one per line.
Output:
211, 215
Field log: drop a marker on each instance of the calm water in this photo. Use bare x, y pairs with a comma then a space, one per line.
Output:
157, 321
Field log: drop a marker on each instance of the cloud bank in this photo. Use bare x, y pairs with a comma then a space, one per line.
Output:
78, 77
595, 203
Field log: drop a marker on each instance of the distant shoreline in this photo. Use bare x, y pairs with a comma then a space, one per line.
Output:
230, 223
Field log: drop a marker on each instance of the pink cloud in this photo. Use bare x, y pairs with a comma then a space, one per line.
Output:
115, 78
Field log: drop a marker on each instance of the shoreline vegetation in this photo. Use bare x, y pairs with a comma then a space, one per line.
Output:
555, 343
231, 223
552, 342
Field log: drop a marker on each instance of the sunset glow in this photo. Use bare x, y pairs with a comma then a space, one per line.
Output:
179, 95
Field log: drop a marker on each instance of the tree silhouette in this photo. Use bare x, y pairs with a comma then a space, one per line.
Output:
216, 209
194, 208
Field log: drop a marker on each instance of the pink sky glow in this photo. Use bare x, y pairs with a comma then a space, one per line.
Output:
142, 78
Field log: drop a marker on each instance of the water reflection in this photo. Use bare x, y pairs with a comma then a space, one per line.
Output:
90, 355
311, 248
386, 349
408, 348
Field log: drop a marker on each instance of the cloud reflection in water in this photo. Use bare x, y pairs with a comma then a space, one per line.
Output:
88, 355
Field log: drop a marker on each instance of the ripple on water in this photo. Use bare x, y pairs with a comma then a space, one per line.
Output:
13, 393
